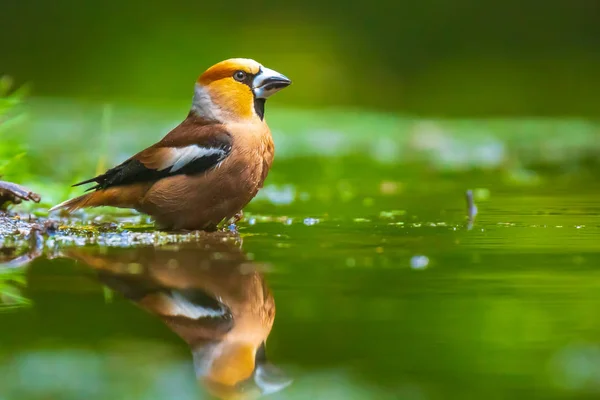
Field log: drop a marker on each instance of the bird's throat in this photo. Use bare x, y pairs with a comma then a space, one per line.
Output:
259, 108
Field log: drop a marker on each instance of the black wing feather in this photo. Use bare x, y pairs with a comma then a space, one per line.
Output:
133, 171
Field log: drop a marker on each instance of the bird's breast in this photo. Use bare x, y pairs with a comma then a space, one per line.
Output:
252, 156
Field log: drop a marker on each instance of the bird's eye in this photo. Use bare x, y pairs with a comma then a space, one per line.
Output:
239, 76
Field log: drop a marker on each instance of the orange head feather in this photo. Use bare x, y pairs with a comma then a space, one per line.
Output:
235, 90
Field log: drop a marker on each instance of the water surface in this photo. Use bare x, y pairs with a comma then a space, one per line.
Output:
402, 302
355, 275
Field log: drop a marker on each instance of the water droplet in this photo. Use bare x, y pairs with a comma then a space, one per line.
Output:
419, 262
310, 221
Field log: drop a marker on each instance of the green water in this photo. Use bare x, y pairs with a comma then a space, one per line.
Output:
381, 288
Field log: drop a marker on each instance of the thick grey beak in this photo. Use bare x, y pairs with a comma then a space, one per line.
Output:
268, 82
271, 379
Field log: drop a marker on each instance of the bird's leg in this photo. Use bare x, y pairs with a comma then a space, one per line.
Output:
231, 223
237, 217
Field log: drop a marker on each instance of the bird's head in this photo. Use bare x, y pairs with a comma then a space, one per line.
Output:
236, 90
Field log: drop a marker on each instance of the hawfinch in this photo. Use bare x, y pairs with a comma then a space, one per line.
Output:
210, 295
207, 168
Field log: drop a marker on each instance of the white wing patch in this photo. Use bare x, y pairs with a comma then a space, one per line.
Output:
180, 157
180, 306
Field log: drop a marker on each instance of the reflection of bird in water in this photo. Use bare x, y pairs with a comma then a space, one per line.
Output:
212, 296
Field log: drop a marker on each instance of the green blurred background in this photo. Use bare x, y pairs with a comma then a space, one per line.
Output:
397, 109
440, 57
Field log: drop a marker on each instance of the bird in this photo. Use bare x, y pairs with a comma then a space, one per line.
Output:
207, 168
211, 295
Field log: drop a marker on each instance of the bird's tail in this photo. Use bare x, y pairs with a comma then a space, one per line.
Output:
74, 204
126, 197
